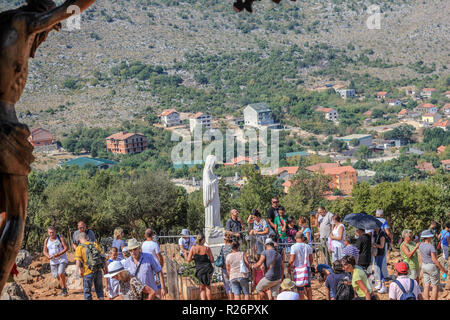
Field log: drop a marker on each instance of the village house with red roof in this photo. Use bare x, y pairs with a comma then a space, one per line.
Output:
329, 113
40, 137
427, 92
444, 124
426, 167
170, 118
440, 149
445, 110
426, 108
200, 119
239, 161
382, 94
126, 143
446, 164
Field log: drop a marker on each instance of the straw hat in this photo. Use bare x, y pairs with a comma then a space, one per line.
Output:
287, 284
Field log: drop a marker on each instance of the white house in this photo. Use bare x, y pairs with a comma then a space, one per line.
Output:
427, 92
330, 113
170, 117
346, 93
258, 115
200, 119
426, 108
394, 102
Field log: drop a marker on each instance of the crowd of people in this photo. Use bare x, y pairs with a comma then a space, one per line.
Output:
267, 258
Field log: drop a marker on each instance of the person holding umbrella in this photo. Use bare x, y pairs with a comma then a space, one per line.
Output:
362, 222
364, 245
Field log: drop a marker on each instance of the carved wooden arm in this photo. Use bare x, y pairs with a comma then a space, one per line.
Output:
46, 20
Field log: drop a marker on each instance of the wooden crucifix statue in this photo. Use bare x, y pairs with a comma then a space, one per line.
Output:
22, 30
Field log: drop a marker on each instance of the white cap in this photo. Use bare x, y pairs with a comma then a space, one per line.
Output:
379, 212
268, 241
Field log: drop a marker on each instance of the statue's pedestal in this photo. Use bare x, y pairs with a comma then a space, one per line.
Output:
214, 240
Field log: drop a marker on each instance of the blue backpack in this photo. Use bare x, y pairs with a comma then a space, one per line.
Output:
407, 295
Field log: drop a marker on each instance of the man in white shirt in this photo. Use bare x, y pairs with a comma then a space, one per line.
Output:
395, 292
152, 247
299, 251
325, 221
185, 243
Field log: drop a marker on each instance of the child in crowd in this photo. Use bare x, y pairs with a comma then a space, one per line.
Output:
112, 285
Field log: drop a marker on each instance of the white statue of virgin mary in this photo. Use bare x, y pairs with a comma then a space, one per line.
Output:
211, 199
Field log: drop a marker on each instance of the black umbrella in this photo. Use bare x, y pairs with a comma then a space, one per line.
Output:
362, 221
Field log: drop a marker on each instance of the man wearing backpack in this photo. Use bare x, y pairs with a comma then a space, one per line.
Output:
55, 248
404, 288
90, 255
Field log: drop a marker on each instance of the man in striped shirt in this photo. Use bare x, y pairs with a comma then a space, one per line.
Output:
350, 249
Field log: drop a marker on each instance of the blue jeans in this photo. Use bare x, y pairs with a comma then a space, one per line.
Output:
226, 281
94, 278
240, 286
379, 266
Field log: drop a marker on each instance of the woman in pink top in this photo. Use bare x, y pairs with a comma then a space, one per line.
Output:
238, 270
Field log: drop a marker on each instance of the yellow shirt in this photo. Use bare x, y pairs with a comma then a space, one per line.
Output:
80, 255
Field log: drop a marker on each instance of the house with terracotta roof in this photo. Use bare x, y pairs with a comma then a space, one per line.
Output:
426, 167
446, 164
170, 118
440, 149
286, 173
445, 110
443, 124
427, 92
426, 108
382, 94
329, 113
286, 185
40, 137
126, 143
430, 117
447, 94
407, 114
342, 178
239, 161
368, 113
200, 119
322, 166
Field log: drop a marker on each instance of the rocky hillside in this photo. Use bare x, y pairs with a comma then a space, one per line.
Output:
162, 32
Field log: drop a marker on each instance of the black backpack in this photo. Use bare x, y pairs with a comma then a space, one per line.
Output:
344, 291
94, 259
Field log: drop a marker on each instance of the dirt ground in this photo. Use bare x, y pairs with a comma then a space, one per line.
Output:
44, 287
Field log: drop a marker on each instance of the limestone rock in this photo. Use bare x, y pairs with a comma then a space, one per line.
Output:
23, 259
13, 291
24, 276
73, 279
